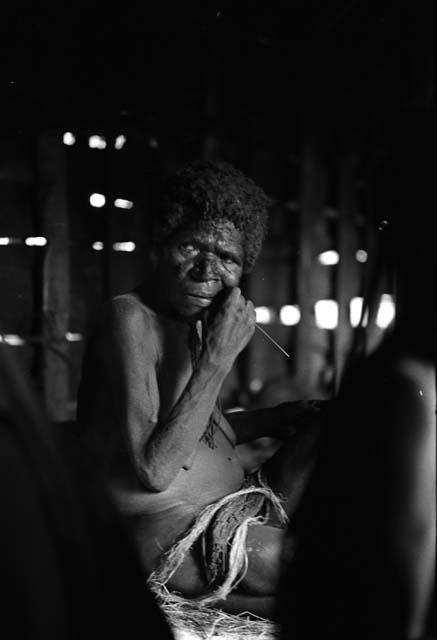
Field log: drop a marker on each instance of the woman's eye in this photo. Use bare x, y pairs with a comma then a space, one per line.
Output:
187, 247
228, 260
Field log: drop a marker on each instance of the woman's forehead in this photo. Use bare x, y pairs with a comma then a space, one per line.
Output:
219, 231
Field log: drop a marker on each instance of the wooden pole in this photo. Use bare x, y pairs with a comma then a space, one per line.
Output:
108, 223
313, 279
56, 273
347, 274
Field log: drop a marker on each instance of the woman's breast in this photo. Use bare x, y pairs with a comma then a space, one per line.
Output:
215, 471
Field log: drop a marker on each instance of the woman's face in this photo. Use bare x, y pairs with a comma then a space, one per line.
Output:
197, 264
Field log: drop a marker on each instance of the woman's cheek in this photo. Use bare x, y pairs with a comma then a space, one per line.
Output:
183, 263
231, 277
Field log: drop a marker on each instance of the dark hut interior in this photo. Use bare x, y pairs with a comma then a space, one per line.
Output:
105, 103
100, 103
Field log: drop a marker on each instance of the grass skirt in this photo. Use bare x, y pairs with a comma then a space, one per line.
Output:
221, 528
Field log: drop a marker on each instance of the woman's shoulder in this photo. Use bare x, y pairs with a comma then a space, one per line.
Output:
129, 304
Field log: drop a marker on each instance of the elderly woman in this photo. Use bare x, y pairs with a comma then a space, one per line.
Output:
149, 402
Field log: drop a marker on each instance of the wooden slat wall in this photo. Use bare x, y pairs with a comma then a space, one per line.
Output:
17, 261
77, 278
129, 173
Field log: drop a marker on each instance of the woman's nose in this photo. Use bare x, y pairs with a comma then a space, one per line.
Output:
205, 267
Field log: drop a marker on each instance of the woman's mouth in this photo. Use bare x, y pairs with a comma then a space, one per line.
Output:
199, 299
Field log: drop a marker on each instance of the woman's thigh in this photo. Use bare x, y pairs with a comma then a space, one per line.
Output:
269, 549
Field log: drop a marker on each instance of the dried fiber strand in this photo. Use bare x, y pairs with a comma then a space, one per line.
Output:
237, 563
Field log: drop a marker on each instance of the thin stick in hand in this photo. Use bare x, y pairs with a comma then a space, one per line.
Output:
271, 340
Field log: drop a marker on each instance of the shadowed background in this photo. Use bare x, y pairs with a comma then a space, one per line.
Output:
99, 104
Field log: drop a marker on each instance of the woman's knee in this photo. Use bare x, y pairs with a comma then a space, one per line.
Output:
265, 559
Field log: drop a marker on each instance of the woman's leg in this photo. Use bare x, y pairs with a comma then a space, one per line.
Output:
268, 549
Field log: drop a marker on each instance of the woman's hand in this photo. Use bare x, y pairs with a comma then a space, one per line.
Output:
228, 329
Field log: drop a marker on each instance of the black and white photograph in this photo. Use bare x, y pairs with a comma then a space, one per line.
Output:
218, 321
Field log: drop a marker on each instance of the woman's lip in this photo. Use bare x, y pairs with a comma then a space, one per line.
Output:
201, 300
199, 294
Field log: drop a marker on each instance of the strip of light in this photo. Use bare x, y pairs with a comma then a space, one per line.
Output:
289, 315
328, 258
96, 142
124, 246
73, 337
68, 138
264, 315
361, 255
35, 241
120, 141
386, 311
97, 200
98, 245
12, 339
326, 314
355, 311
123, 204
5, 241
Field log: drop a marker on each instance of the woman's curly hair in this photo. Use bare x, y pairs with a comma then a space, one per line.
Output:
206, 191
